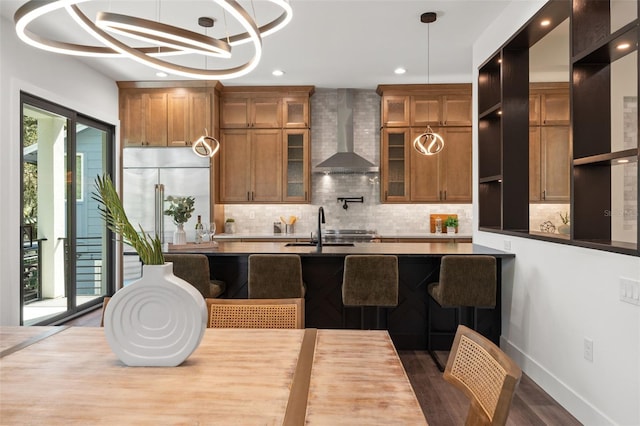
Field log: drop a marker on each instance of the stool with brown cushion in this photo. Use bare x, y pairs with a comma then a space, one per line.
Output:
194, 269
485, 374
465, 281
370, 281
275, 276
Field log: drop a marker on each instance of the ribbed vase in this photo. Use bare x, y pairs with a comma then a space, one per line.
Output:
156, 321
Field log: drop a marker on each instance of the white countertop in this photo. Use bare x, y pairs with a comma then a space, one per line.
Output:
305, 235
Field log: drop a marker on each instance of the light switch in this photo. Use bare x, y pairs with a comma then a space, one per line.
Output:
630, 290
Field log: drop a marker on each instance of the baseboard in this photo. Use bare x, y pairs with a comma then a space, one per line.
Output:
574, 403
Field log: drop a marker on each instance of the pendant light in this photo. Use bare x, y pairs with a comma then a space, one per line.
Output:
206, 146
429, 142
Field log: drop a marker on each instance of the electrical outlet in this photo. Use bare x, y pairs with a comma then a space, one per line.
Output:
252, 215
630, 291
588, 349
507, 244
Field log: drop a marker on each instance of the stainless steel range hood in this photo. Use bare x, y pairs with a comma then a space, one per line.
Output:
345, 160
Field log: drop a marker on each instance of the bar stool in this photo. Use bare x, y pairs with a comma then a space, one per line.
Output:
275, 276
370, 281
194, 269
465, 282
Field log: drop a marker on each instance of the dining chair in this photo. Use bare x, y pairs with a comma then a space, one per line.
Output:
105, 302
194, 269
275, 276
370, 281
256, 313
466, 282
485, 374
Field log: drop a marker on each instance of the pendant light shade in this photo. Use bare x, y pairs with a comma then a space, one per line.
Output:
429, 142
206, 146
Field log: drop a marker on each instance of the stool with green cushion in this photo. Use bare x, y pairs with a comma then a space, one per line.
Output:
466, 281
194, 269
370, 281
275, 276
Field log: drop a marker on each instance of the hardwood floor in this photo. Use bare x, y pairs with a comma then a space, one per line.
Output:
442, 404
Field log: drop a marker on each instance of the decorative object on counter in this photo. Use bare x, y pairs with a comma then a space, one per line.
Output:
451, 223
443, 218
288, 224
212, 231
161, 39
200, 231
180, 209
438, 225
565, 228
429, 142
346, 200
158, 320
548, 226
230, 226
277, 227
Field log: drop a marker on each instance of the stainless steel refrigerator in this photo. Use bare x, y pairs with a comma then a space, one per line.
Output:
179, 172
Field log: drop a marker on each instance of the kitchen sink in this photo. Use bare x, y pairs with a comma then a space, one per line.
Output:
310, 244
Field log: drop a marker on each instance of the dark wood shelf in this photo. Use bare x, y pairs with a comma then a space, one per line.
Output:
493, 113
610, 158
491, 179
606, 51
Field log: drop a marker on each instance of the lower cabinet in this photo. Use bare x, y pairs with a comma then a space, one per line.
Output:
549, 163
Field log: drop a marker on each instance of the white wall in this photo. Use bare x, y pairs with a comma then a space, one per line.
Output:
56, 78
556, 295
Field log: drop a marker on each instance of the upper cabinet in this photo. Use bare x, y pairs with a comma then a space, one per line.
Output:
406, 175
264, 145
153, 116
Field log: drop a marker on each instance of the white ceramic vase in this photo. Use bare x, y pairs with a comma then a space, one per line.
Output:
451, 229
179, 236
156, 321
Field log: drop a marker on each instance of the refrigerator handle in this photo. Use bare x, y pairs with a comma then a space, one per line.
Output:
159, 211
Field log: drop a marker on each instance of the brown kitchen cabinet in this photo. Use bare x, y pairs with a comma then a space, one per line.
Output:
549, 163
549, 104
189, 116
441, 110
395, 164
143, 115
446, 176
295, 112
250, 166
250, 111
296, 165
395, 111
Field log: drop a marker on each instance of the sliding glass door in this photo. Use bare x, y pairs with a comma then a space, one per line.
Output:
66, 250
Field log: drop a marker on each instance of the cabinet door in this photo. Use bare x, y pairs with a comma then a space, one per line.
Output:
132, 119
535, 191
235, 166
266, 113
155, 118
395, 159
426, 110
296, 165
534, 110
556, 163
266, 165
456, 110
234, 112
178, 118
554, 109
425, 173
395, 111
296, 112
456, 173
199, 122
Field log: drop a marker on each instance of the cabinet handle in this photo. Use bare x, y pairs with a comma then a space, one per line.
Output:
305, 195
248, 196
544, 195
445, 194
252, 198
385, 195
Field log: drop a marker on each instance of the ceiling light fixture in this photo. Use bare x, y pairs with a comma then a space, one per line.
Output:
545, 23
277, 73
206, 146
429, 142
623, 46
400, 71
166, 39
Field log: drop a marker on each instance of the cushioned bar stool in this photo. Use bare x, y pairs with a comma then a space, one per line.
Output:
370, 281
275, 276
194, 269
465, 282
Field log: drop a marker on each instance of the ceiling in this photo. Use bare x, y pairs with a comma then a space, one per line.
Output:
328, 43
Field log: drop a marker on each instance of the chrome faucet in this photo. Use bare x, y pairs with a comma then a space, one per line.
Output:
320, 222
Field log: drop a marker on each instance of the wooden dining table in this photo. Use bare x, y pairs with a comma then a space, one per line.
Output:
69, 375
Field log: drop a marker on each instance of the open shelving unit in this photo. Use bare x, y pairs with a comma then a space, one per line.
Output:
597, 156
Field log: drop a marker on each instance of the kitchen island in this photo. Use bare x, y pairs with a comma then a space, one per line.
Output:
322, 270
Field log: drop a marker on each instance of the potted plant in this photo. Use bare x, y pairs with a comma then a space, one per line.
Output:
158, 300
565, 228
180, 209
230, 226
451, 223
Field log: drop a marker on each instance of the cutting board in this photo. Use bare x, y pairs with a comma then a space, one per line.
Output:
432, 222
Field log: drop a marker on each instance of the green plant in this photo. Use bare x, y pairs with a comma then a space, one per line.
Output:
451, 221
230, 220
564, 218
111, 209
180, 208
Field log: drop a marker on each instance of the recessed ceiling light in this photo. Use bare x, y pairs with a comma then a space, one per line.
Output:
545, 23
278, 73
399, 70
622, 161
161, 74
623, 46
